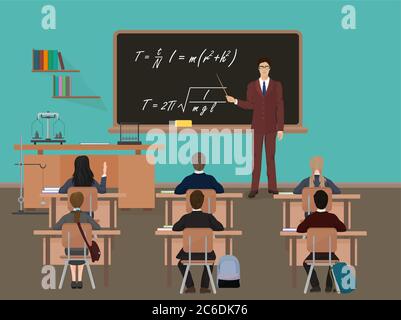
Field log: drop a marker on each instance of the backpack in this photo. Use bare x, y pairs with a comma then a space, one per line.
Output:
345, 277
228, 272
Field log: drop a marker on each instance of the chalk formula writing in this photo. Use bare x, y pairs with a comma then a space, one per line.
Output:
155, 59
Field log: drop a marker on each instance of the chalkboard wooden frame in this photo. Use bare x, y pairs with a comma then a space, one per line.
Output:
293, 128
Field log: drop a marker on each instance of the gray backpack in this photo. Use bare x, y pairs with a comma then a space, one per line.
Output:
228, 272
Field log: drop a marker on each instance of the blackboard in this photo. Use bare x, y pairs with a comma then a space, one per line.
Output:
160, 76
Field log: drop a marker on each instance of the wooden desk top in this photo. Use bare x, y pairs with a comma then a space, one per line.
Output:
56, 233
299, 196
63, 147
224, 233
99, 196
227, 195
346, 234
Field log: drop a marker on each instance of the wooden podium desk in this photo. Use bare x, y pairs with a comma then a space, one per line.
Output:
131, 174
53, 249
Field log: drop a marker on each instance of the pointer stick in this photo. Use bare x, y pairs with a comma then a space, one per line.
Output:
221, 84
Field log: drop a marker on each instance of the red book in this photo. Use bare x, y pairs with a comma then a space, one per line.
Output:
60, 58
40, 59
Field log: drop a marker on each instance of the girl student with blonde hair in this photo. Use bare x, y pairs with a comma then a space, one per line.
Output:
316, 179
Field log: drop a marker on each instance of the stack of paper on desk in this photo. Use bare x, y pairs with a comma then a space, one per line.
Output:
50, 190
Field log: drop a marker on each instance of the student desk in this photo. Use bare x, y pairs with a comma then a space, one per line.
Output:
105, 215
175, 207
347, 248
170, 235
53, 249
293, 214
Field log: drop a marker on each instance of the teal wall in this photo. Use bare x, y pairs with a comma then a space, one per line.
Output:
351, 78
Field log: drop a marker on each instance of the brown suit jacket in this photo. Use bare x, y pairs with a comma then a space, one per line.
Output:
268, 110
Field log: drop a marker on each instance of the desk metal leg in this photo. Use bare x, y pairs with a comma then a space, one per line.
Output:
46, 251
166, 212
52, 213
354, 252
231, 214
112, 217
169, 261
106, 262
294, 262
349, 215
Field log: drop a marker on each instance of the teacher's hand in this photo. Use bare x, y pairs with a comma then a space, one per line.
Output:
280, 135
230, 99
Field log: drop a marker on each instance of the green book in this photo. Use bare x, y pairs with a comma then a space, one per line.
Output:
64, 86
54, 55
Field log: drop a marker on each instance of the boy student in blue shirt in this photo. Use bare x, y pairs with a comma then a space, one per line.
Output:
199, 179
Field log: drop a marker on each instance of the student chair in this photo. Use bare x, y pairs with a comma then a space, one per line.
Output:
209, 203
308, 203
198, 240
321, 240
72, 238
90, 199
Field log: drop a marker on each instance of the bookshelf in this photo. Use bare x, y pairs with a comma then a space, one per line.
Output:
51, 61
33, 70
76, 97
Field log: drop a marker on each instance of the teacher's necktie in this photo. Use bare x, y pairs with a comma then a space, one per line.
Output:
264, 88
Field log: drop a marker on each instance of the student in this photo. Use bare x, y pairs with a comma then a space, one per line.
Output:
197, 219
316, 179
83, 176
199, 179
75, 216
321, 219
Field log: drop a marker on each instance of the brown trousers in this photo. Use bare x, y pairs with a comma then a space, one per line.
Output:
270, 147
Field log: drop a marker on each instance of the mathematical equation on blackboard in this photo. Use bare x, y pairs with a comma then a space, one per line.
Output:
197, 100
226, 57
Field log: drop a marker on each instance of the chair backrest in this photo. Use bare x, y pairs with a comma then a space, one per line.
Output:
209, 203
71, 231
90, 198
308, 203
321, 240
198, 240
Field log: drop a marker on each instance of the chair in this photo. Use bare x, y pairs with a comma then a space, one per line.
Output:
209, 203
321, 240
90, 199
308, 203
198, 240
72, 238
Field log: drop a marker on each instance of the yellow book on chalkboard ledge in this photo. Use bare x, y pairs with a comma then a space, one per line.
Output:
182, 123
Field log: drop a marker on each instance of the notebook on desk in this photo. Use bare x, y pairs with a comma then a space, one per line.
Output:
50, 190
167, 191
165, 227
286, 192
289, 229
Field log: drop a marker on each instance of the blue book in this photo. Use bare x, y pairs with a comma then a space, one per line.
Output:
36, 60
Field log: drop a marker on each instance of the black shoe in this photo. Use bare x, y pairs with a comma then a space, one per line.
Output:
273, 191
80, 285
190, 290
252, 193
73, 284
315, 289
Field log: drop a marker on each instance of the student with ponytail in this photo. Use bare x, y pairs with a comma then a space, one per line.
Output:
75, 216
316, 179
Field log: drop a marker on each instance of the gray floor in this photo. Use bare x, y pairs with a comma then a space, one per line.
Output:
137, 271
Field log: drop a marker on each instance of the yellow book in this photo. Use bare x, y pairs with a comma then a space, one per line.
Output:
45, 59
183, 123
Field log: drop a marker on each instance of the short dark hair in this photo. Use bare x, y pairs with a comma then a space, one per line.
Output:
264, 59
196, 199
321, 199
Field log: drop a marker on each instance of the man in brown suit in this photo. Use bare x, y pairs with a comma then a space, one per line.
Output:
265, 98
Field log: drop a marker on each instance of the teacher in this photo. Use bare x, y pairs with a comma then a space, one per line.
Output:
265, 98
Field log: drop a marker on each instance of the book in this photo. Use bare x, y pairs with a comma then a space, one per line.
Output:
60, 58
289, 229
40, 59
36, 58
60, 86
285, 192
165, 228
45, 60
167, 191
